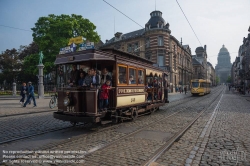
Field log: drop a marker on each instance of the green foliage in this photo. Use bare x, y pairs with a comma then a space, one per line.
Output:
217, 80
229, 79
10, 64
30, 64
53, 32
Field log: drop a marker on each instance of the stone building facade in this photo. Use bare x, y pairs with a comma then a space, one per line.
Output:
199, 62
223, 67
240, 71
211, 74
155, 43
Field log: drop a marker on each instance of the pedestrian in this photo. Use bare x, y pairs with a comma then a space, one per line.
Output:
27, 94
185, 89
229, 87
166, 85
23, 93
104, 95
180, 89
31, 95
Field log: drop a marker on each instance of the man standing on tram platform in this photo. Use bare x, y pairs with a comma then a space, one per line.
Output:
166, 85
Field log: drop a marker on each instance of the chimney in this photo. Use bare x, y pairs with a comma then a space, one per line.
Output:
205, 47
107, 41
118, 35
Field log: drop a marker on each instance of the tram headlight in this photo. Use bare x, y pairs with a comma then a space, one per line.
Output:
66, 101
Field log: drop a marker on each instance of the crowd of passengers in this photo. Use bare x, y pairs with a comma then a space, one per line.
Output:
102, 81
156, 85
95, 80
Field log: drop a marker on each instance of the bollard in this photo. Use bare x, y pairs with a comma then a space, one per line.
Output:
14, 89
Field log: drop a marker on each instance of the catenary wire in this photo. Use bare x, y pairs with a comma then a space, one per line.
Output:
123, 13
15, 28
189, 22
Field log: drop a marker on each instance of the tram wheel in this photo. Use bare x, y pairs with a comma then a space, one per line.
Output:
73, 123
114, 118
134, 114
152, 110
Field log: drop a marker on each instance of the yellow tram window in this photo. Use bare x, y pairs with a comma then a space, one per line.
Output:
132, 76
122, 75
195, 84
140, 77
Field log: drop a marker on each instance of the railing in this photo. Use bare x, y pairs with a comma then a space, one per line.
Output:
6, 89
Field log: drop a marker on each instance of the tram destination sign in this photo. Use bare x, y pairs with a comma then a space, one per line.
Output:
128, 91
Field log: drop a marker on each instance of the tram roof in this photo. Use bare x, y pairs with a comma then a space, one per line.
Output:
103, 54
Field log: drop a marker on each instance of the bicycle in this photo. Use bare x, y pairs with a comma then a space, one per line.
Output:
53, 101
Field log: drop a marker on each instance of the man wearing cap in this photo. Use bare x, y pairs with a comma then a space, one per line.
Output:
31, 95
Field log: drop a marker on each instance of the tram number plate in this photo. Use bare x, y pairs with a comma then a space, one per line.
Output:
132, 100
71, 58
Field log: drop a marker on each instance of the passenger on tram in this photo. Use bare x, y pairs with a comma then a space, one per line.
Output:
131, 80
95, 79
81, 80
140, 80
105, 75
104, 95
74, 76
88, 79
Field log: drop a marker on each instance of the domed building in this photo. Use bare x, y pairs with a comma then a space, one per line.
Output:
223, 67
154, 43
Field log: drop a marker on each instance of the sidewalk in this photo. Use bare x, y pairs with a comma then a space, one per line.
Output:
12, 106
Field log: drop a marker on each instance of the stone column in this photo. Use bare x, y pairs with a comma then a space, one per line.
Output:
40, 83
14, 89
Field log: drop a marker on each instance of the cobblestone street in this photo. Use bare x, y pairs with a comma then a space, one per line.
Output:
220, 136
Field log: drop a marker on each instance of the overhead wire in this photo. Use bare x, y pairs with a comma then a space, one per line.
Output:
189, 22
15, 28
123, 13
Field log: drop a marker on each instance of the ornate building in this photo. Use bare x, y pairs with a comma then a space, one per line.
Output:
223, 67
155, 43
199, 62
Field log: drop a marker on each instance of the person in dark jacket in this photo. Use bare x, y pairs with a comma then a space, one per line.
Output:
31, 95
104, 95
88, 79
105, 76
81, 80
95, 79
23, 92
74, 76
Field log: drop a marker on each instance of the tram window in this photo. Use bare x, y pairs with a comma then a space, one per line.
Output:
140, 77
122, 75
132, 76
195, 84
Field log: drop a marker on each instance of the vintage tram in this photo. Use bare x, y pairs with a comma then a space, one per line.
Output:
200, 87
136, 87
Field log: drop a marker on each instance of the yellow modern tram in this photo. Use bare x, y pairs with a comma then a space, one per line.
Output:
200, 87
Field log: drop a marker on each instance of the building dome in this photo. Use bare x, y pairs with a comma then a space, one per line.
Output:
156, 20
223, 49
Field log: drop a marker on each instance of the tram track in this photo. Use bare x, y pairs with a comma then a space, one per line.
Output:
99, 130
150, 124
54, 130
169, 143
112, 127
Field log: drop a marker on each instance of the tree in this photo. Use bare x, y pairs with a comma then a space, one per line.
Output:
28, 50
53, 32
229, 79
217, 80
10, 64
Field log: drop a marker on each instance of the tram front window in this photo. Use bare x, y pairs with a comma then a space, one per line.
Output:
195, 84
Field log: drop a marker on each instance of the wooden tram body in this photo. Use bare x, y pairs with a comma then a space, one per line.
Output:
126, 101
200, 87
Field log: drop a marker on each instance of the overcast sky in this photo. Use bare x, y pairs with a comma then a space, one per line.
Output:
216, 22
